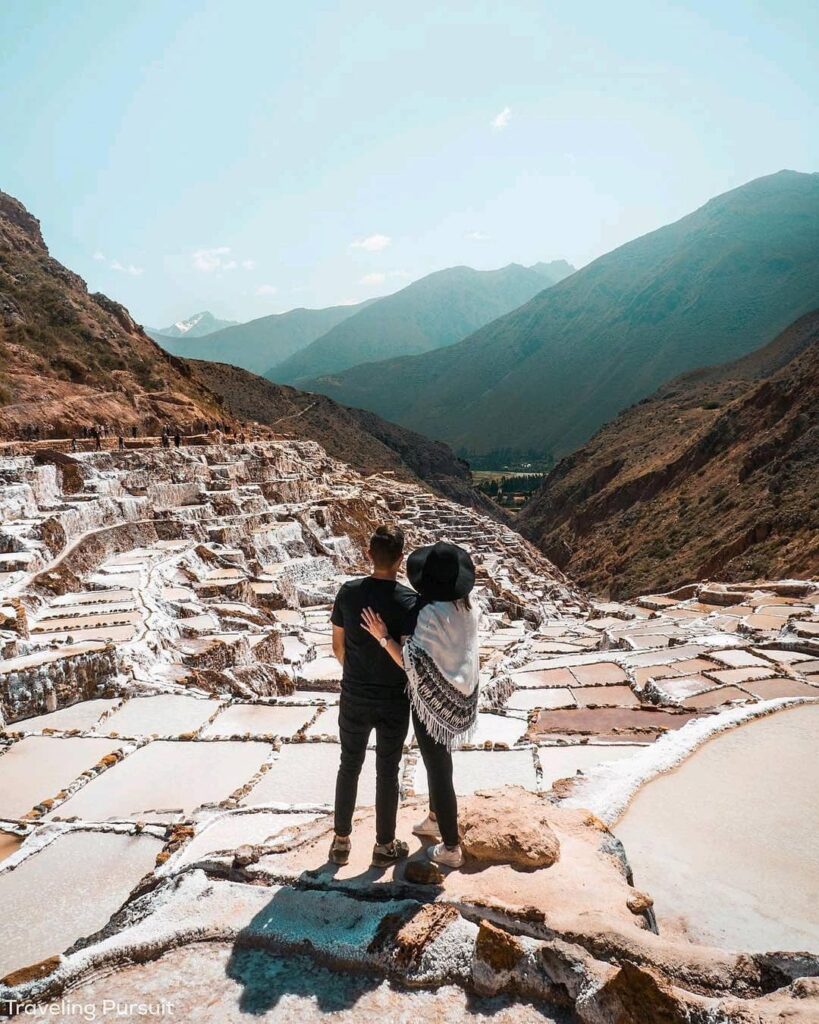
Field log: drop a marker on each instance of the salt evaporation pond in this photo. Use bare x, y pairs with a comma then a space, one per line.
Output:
259, 720
38, 767
54, 897
233, 830
483, 769
305, 773
9, 844
166, 775
726, 842
166, 714
83, 715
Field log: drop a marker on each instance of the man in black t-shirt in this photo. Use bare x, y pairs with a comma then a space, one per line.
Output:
373, 695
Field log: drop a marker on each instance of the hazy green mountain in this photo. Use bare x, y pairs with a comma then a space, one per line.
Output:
437, 310
710, 287
196, 326
258, 344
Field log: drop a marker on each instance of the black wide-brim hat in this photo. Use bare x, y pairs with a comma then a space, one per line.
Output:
441, 572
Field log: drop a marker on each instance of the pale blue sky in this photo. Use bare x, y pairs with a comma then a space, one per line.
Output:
229, 155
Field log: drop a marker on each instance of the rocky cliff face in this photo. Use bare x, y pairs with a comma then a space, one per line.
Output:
70, 358
717, 474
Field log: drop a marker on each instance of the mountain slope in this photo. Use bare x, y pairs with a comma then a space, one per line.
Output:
197, 326
260, 343
716, 474
710, 287
435, 311
68, 358
365, 441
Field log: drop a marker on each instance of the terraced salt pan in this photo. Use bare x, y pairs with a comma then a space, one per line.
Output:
231, 831
609, 696
66, 891
259, 720
726, 841
103, 632
327, 724
166, 714
305, 773
321, 670
528, 700
165, 776
484, 769
38, 767
9, 844
768, 689
562, 762
498, 729
84, 715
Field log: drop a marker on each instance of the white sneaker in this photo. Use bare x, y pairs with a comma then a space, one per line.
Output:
441, 854
427, 827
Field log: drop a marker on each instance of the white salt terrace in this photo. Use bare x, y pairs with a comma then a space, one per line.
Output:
218, 695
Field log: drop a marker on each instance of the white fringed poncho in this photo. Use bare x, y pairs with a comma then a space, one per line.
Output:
441, 662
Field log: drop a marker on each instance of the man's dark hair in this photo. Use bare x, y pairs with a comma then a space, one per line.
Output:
386, 546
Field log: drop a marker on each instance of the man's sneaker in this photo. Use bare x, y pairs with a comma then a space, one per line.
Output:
441, 854
385, 854
427, 827
340, 850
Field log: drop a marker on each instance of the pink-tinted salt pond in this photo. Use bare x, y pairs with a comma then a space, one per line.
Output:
165, 776
56, 896
38, 767
726, 842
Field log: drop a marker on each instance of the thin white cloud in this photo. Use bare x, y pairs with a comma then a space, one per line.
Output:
267, 289
126, 269
208, 260
371, 279
501, 120
478, 236
218, 258
372, 243
99, 256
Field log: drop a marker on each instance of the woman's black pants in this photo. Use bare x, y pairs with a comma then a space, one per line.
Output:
442, 800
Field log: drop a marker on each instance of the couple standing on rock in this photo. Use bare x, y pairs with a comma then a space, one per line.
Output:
405, 651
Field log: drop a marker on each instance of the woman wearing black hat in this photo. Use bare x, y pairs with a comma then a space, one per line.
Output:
441, 662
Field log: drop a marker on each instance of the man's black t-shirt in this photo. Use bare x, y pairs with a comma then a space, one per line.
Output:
369, 671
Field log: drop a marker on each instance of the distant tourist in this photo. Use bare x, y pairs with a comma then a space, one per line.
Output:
177, 440
134, 431
373, 694
442, 666
121, 442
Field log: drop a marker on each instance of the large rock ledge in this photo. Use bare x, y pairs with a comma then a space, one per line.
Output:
573, 934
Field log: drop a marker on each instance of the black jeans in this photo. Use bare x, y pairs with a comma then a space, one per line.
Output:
357, 718
442, 800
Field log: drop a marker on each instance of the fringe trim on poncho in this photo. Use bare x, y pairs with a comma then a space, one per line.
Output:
449, 716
